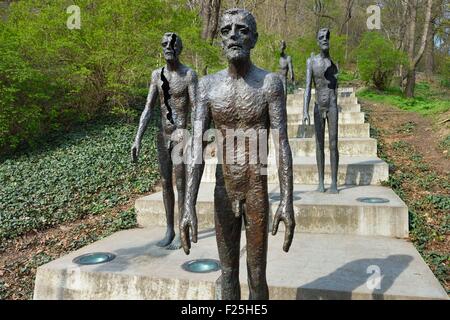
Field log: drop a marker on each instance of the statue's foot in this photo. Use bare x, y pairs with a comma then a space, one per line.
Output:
176, 244
321, 189
167, 239
333, 190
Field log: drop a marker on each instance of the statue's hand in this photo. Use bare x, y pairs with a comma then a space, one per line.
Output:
306, 119
135, 149
285, 213
189, 221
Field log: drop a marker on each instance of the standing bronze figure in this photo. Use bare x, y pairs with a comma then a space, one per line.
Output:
247, 98
175, 85
323, 72
286, 68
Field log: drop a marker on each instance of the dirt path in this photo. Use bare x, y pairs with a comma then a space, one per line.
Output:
421, 132
420, 175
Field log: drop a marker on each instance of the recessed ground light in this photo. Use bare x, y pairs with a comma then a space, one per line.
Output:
373, 200
94, 258
202, 266
277, 197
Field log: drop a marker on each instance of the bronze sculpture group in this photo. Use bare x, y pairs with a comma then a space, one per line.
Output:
241, 97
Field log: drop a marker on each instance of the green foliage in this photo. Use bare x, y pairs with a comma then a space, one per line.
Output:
84, 172
440, 202
428, 101
407, 127
377, 60
445, 72
51, 76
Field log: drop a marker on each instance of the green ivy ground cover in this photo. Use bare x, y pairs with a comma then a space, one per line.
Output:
83, 172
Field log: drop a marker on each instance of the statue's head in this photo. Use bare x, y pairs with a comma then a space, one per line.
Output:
323, 39
172, 46
239, 34
283, 45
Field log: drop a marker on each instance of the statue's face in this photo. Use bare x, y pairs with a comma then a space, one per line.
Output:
171, 46
323, 39
238, 36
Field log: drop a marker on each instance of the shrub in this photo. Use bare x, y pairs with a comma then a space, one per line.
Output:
52, 77
378, 60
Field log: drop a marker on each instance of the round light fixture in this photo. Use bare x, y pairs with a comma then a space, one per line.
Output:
277, 197
94, 258
201, 266
373, 200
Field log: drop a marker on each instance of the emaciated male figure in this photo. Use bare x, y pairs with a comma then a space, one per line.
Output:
286, 67
175, 85
247, 98
323, 72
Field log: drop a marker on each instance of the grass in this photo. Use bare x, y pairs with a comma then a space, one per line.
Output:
84, 172
427, 101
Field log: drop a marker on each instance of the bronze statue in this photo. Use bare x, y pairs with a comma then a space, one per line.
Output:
286, 67
248, 98
323, 72
175, 84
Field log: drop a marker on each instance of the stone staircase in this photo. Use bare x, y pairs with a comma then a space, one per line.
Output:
343, 248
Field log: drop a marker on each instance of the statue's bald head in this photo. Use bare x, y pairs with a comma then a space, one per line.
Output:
241, 14
323, 38
239, 33
172, 45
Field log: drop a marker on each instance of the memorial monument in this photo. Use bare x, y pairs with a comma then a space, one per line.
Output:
247, 98
323, 72
175, 85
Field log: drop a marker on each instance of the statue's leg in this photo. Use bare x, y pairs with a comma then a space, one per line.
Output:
180, 176
228, 235
319, 125
165, 168
333, 116
256, 226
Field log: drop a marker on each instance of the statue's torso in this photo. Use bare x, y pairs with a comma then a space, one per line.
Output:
325, 81
284, 66
177, 97
240, 104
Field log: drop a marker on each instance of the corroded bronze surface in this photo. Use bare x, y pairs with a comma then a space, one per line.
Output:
323, 72
175, 84
248, 98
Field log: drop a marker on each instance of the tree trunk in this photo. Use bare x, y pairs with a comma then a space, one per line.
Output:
429, 54
410, 83
414, 60
210, 15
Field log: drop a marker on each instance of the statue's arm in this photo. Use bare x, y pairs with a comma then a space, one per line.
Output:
145, 116
195, 166
291, 70
278, 123
192, 90
307, 97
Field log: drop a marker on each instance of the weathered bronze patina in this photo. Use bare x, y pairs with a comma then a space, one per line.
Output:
175, 84
323, 72
248, 98
286, 67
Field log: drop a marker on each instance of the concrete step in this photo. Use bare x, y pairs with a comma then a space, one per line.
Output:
359, 130
352, 171
355, 147
344, 118
317, 267
298, 108
314, 212
298, 99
